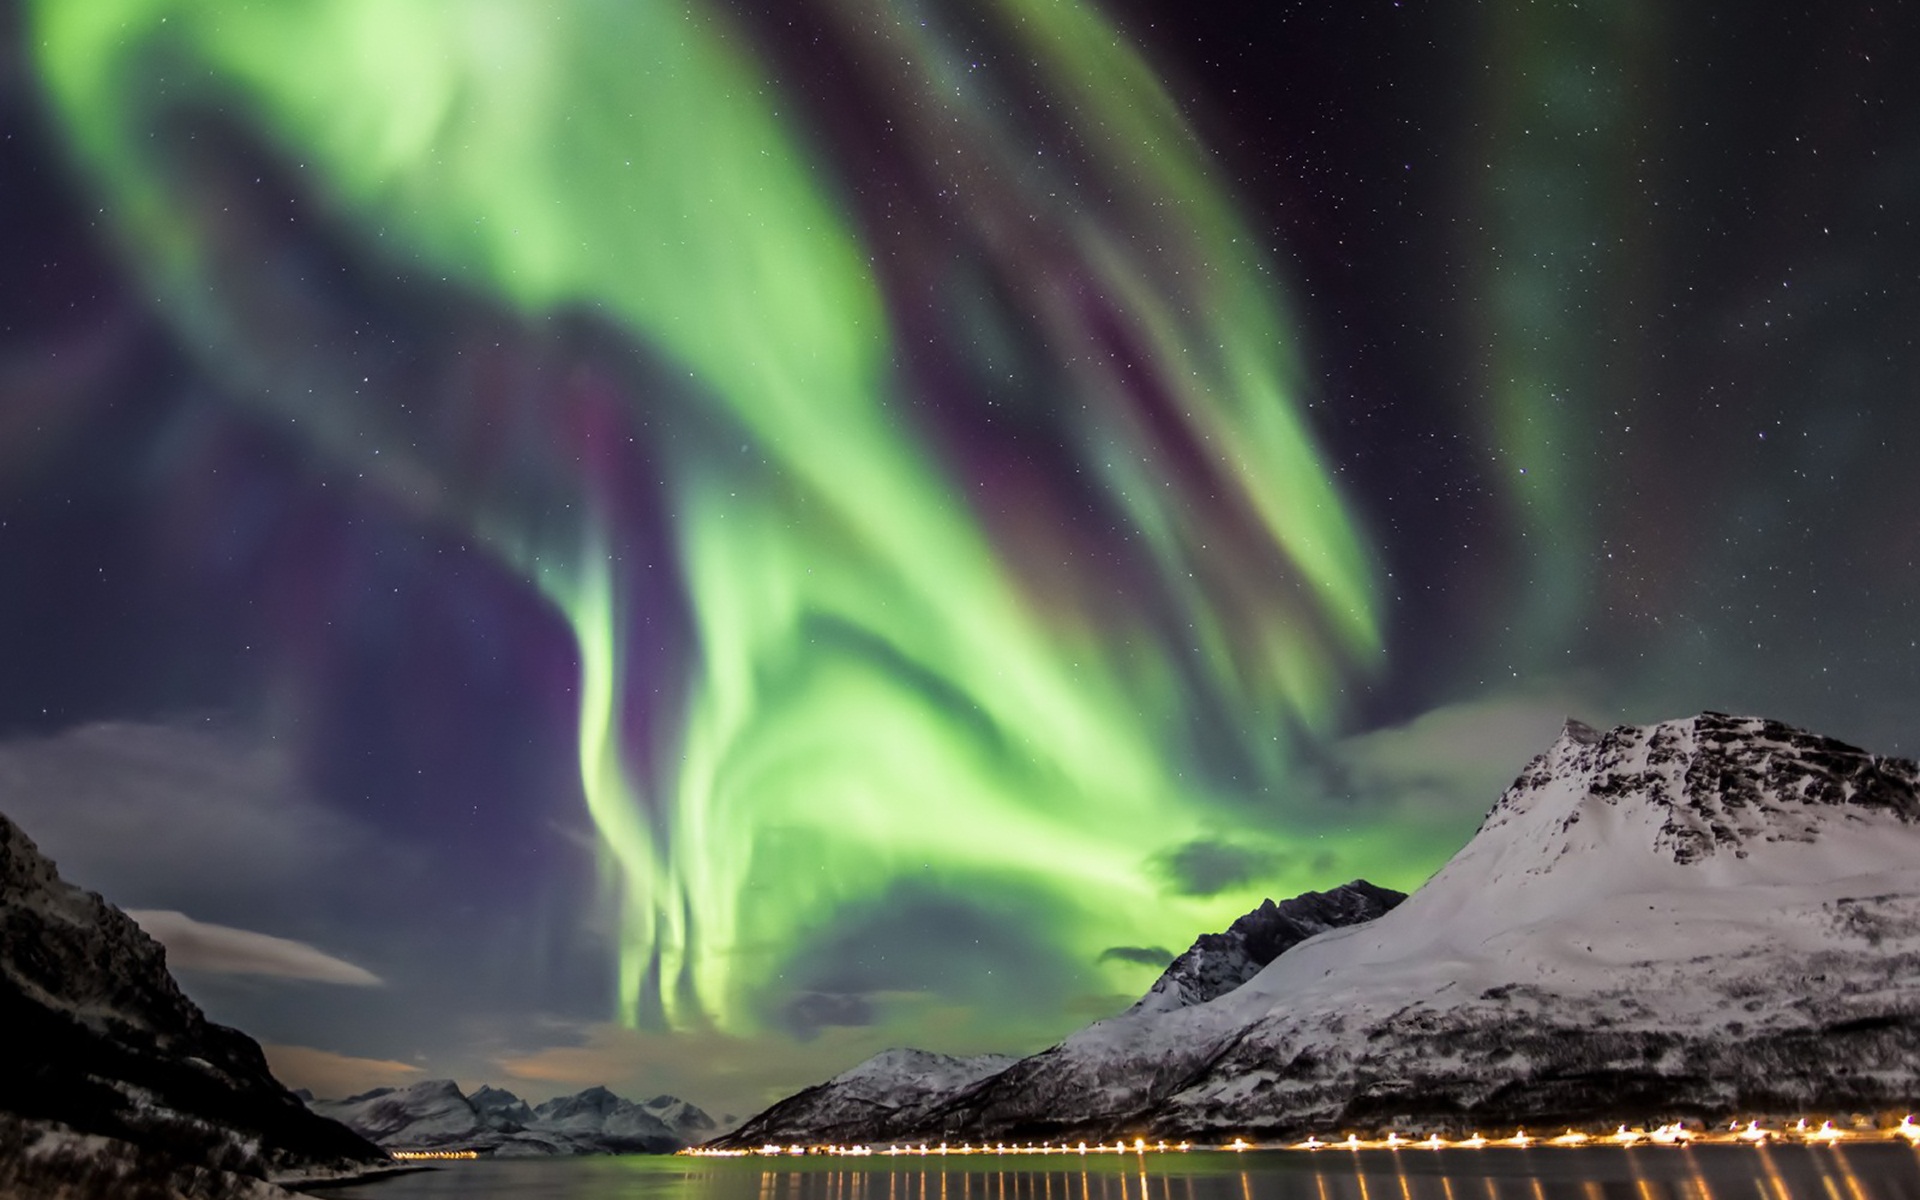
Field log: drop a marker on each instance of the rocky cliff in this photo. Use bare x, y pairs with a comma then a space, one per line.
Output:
102, 1049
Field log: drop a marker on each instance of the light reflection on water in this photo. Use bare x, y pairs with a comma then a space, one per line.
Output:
1860, 1172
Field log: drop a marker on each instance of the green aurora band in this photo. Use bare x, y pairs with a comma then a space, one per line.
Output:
883, 703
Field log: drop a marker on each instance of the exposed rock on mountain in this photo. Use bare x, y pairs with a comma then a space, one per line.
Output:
1702, 917
103, 1054
435, 1115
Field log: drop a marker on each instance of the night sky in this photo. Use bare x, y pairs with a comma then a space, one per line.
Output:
676, 545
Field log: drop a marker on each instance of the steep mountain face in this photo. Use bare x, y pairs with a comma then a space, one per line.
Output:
99, 1039
891, 1095
1704, 917
435, 1115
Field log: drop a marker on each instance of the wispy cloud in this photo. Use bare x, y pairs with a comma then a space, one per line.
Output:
1454, 760
198, 946
1145, 956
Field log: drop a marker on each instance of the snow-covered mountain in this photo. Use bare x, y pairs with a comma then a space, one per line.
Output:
690, 1124
499, 1107
891, 1095
903, 1093
1704, 916
1701, 917
103, 1058
434, 1114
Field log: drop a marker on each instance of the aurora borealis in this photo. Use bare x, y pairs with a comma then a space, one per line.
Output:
844, 523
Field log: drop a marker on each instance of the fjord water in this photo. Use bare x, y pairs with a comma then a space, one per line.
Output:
1876, 1171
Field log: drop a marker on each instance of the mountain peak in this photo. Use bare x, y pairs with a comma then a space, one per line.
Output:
1698, 787
1578, 732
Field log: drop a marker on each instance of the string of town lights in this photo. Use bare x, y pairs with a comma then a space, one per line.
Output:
433, 1155
1751, 1133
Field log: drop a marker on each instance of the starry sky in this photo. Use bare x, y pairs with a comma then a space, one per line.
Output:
557, 542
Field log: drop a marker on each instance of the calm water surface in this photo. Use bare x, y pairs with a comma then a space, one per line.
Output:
1874, 1171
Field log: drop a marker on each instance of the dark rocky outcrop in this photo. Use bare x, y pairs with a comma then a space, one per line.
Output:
1217, 963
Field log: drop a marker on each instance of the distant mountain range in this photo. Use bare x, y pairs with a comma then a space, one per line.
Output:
112, 1082
1705, 917
436, 1115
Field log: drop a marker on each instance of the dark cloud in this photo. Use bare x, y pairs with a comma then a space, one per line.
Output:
163, 816
1146, 956
810, 1012
1209, 866
982, 956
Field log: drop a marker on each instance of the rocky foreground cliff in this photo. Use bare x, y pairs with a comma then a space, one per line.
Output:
112, 1082
1701, 918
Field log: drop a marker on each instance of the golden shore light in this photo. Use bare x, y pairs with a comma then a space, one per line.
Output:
1139, 1146
1674, 1133
426, 1155
1753, 1133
